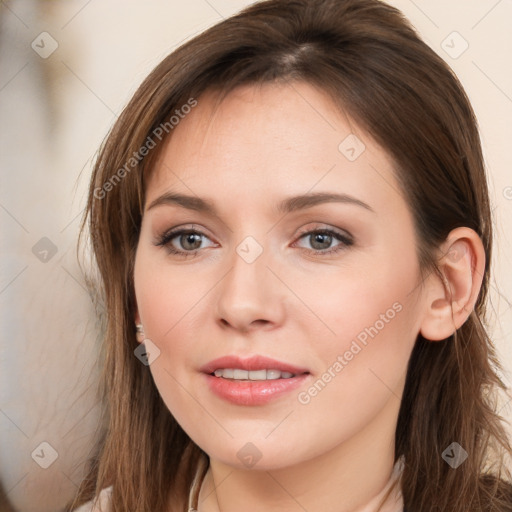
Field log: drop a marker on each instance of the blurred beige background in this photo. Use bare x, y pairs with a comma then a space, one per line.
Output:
67, 69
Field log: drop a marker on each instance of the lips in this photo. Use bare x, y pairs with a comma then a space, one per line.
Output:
253, 381
253, 363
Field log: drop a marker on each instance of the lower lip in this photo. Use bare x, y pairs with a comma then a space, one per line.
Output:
253, 392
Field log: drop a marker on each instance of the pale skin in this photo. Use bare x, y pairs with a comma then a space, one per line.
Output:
261, 146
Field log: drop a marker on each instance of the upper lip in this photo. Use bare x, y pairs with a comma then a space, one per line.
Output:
256, 362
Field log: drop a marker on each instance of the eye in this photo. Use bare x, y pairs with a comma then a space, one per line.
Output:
321, 240
189, 239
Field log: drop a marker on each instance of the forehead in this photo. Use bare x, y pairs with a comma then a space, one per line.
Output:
271, 140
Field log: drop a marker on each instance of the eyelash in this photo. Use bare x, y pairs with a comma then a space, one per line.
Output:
165, 239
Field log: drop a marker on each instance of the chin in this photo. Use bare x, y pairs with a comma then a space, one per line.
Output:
260, 454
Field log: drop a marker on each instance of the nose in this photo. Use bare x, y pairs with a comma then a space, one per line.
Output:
250, 296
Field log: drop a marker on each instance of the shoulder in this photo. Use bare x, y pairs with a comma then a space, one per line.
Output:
101, 505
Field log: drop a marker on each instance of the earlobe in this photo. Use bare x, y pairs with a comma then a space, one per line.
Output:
140, 332
450, 300
139, 328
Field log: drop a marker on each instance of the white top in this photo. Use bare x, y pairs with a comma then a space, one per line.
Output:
103, 504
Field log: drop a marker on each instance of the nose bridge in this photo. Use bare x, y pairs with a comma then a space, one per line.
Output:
246, 293
248, 268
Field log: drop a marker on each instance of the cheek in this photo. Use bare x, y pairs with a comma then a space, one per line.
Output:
361, 368
165, 298
370, 318
165, 301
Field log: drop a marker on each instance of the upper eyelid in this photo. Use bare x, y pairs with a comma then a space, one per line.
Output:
338, 231
173, 232
321, 226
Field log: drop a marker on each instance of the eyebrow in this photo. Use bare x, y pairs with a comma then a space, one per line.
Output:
288, 205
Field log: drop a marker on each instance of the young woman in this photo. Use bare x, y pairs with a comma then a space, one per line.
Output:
292, 226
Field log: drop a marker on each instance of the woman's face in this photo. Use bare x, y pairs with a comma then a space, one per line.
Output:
326, 287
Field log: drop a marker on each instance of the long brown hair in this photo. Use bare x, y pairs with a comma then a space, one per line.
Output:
375, 67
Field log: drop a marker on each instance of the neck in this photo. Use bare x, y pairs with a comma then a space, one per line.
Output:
354, 476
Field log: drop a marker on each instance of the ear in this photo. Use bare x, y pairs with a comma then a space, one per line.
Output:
450, 301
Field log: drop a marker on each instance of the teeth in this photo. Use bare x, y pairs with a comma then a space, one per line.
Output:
257, 375
273, 374
236, 374
240, 374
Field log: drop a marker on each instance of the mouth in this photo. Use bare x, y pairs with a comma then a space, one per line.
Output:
246, 375
253, 381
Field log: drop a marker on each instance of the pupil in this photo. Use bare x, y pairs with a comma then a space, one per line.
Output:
322, 237
189, 237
